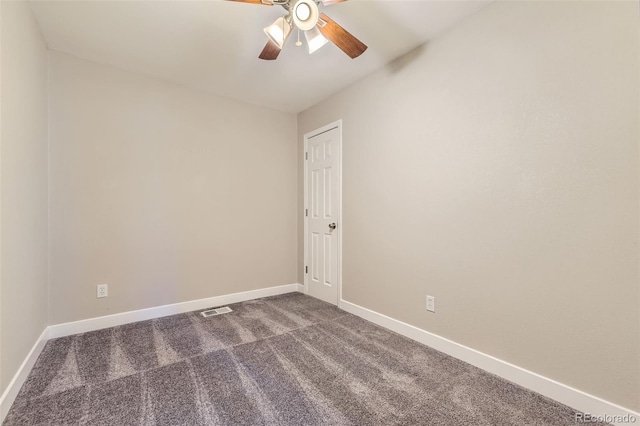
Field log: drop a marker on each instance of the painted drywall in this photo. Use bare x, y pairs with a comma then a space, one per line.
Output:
496, 168
164, 193
23, 188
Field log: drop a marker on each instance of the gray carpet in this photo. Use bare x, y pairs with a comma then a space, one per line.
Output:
283, 360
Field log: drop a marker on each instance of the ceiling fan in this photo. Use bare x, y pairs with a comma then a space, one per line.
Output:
318, 28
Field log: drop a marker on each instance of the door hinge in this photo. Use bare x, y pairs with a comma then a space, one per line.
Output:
306, 155
306, 212
306, 269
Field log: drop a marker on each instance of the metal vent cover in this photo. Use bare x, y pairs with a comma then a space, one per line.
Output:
216, 311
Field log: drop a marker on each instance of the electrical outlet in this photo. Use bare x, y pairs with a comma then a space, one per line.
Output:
102, 290
431, 303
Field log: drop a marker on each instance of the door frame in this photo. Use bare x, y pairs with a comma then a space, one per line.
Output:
336, 124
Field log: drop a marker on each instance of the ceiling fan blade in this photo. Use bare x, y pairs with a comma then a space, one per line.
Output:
262, 2
270, 51
330, 2
341, 37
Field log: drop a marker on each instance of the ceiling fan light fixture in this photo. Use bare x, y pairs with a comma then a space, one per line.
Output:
315, 40
279, 31
305, 14
303, 11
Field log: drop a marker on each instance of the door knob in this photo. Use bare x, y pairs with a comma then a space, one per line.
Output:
332, 226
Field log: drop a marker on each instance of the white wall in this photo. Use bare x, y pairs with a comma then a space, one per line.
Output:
23, 187
496, 168
164, 193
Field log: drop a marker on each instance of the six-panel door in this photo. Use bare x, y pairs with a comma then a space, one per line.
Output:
323, 202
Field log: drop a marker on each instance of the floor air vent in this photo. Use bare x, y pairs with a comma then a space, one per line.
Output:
216, 311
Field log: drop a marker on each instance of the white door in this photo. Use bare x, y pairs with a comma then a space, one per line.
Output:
322, 213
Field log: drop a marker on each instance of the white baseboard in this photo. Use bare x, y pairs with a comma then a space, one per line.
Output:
98, 323
9, 395
564, 394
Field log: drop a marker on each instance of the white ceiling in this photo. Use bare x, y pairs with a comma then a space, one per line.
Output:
214, 45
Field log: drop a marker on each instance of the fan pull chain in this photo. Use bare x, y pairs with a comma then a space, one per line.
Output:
298, 43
